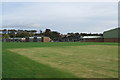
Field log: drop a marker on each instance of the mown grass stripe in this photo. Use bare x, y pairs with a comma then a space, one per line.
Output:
17, 66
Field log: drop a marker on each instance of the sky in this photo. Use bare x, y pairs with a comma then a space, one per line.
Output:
60, 0
64, 17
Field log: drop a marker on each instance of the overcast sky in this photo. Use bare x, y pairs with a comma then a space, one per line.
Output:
64, 17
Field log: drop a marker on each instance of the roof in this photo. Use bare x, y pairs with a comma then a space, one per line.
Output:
112, 30
113, 33
34, 37
15, 38
91, 37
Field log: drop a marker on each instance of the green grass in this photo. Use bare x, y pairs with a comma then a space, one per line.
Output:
37, 44
44, 62
16, 66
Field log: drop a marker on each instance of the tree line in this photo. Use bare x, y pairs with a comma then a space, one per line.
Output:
54, 35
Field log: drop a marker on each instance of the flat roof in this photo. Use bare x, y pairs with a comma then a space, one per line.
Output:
91, 37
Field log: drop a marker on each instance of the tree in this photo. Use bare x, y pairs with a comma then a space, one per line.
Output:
40, 31
55, 35
33, 31
5, 36
47, 30
4, 31
22, 34
12, 33
25, 34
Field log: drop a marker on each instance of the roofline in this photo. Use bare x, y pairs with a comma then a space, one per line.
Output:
111, 30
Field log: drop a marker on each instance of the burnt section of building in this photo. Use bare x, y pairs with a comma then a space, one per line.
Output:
112, 35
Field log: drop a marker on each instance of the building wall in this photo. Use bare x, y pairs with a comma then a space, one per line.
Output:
112, 40
35, 39
46, 39
93, 40
27, 39
114, 33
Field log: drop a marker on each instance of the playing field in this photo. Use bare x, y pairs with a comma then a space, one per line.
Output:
60, 60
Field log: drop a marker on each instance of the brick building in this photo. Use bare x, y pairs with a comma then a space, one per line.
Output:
46, 39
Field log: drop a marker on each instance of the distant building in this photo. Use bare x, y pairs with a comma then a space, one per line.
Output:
46, 39
33, 39
38, 39
28, 39
13, 40
92, 39
112, 35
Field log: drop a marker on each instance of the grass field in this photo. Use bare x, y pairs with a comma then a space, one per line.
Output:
60, 60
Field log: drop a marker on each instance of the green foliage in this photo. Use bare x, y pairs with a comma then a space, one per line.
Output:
22, 34
5, 36
12, 33
52, 34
